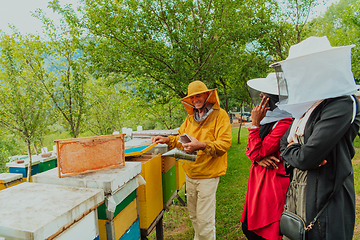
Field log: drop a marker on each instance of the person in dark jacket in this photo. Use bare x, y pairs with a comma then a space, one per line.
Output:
318, 147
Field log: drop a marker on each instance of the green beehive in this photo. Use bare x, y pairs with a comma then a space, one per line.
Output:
169, 185
47, 164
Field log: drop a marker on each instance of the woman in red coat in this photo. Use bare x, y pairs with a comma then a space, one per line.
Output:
268, 181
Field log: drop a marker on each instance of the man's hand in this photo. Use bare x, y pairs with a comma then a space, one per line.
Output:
160, 139
259, 112
194, 145
269, 162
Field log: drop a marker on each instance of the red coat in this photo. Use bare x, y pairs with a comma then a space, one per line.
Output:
266, 192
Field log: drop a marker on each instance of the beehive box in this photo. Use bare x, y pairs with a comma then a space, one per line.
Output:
47, 163
40, 211
119, 200
133, 233
150, 195
23, 167
167, 163
81, 155
180, 174
159, 148
10, 179
115, 228
119, 185
169, 186
110, 180
168, 179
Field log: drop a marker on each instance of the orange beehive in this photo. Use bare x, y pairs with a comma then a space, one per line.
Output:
80, 155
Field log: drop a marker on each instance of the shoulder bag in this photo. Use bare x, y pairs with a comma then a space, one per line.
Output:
294, 227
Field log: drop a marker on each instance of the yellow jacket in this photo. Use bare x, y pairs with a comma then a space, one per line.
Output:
215, 130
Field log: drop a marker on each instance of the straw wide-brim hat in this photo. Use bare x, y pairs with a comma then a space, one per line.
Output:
198, 87
309, 47
265, 85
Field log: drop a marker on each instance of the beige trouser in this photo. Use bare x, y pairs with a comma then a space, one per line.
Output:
201, 201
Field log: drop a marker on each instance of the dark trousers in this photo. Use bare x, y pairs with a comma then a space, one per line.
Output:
250, 234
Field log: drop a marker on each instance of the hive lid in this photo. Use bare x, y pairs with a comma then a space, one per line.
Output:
37, 211
111, 201
34, 161
138, 146
150, 133
109, 180
9, 177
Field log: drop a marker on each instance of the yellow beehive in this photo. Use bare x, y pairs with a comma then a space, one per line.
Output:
167, 163
120, 224
180, 174
151, 194
149, 210
10, 179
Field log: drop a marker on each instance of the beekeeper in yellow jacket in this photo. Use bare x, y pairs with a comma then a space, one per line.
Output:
209, 128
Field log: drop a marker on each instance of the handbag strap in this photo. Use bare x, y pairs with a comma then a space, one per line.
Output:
312, 223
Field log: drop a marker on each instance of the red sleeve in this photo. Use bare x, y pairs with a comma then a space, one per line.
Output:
257, 149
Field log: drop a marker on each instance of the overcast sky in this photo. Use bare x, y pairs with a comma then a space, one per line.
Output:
18, 13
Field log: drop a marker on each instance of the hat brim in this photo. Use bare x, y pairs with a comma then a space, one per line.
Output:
311, 54
200, 92
213, 98
266, 85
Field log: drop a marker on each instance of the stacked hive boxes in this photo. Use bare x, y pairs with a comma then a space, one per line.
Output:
169, 169
39, 164
10, 179
23, 167
119, 213
44, 211
150, 194
163, 148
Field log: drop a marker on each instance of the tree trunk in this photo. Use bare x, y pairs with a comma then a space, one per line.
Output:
35, 149
225, 95
241, 112
28, 144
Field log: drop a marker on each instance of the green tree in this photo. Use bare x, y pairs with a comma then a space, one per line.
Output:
167, 111
254, 65
109, 107
24, 107
340, 24
298, 12
285, 24
63, 77
164, 43
10, 145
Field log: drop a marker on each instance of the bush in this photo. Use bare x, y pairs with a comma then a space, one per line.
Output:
4, 158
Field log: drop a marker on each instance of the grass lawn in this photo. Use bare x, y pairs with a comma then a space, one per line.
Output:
231, 195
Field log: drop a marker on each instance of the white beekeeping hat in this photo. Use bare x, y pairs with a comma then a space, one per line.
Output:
266, 85
314, 70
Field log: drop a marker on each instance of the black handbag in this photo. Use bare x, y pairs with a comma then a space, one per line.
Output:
294, 227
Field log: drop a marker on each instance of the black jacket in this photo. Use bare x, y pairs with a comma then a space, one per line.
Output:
328, 135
